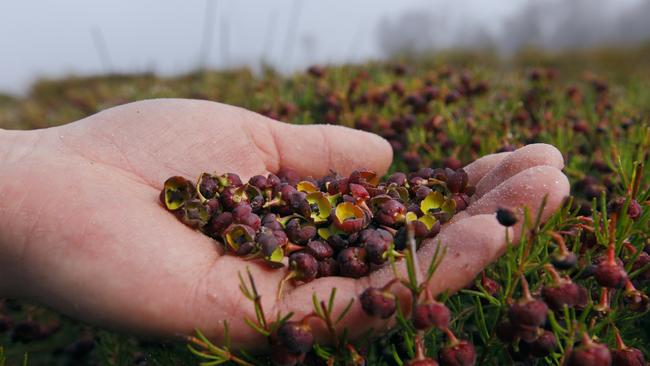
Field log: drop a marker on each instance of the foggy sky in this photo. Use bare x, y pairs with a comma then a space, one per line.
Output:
171, 36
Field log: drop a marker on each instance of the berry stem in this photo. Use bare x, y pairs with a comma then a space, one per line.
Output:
419, 346
619, 341
286, 278
524, 289
453, 341
551, 271
603, 304
559, 240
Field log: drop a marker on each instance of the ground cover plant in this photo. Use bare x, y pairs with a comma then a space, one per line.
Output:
573, 290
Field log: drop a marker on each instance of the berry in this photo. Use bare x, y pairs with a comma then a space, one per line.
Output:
208, 186
564, 261
296, 337
460, 354
378, 303
319, 249
304, 266
327, 267
390, 213
299, 233
376, 242
282, 357
431, 314
506, 217
590, 353
628, 357
566, 293
397, 178
352, 262
528, 312
540, 347
610, 274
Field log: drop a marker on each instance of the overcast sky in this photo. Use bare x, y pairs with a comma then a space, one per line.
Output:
80, 36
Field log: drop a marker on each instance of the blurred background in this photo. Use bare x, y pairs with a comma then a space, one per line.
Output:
173, 37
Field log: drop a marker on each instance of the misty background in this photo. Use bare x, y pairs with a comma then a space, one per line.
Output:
174, 36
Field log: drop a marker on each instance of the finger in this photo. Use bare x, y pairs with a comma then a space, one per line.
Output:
317, 149
480, 167
521, 159
527, 189
471, 244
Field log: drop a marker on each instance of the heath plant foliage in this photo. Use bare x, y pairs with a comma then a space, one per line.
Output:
572, 291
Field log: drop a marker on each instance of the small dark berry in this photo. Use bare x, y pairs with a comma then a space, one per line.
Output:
540, 347
610, 275
556, 296
590, 354
296, 337
428, 315
352, 262
378, 303
319, 249
304, 265
328, 267
528, 313
628, 357
506, 217
564, 261
461, 354
282, 357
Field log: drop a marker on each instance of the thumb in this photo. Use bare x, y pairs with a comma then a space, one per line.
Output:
316, 149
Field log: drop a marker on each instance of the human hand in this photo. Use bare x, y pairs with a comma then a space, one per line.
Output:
82, 231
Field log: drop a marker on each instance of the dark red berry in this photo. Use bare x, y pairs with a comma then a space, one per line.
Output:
433, 314
282, 357
397, 178
328, 267
558, 295
376, 242
628, 357
319, 249
304, 266
296, 337
564, 260
528, 313
590, 354
390, 213
610, 275
378, 303
506, 217
540, 347
460, 354
352, 262
298, 232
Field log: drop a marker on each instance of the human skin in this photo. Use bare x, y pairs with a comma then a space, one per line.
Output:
82, 230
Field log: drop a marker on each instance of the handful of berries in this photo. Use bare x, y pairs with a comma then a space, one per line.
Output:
332, 226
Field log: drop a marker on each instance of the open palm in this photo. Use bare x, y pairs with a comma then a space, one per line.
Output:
89, 237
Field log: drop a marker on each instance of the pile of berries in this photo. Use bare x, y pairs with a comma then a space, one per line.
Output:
333, 226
